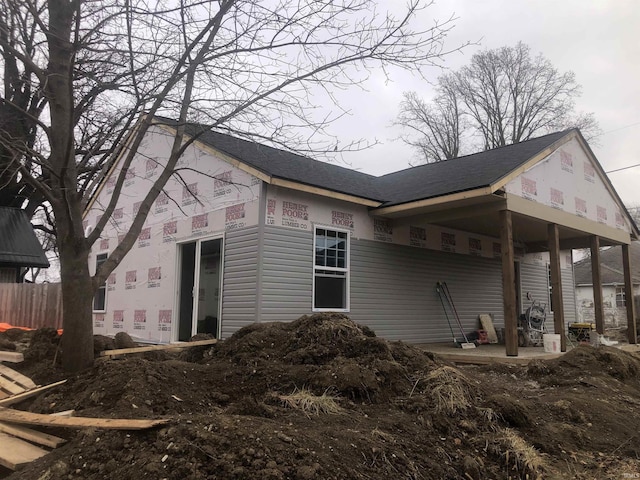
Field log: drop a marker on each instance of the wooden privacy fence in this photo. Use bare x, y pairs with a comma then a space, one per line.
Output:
33, 305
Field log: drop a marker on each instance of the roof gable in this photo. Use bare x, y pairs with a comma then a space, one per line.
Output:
471, 172
570, 179
476, 175
19, 245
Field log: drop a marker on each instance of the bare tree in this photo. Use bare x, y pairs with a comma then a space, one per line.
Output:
91, 68
505, 95
436, 129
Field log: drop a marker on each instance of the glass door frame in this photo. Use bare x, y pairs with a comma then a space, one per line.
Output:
196, 284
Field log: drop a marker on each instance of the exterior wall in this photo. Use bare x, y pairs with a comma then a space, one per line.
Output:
220, 201
569, 181
240, 280
392, 287
287, 276
8, 275
613, 316
393, 291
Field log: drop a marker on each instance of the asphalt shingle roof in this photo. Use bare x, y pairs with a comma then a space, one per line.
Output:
417, 183
289, 166
460, 174
19, 245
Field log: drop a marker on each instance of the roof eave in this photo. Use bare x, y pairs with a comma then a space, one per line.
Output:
432, 201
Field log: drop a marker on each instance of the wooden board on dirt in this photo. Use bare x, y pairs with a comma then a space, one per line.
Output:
487, 326
13, 357
16, 377
5, 402
10, 386
28, 418
15, 452
31, 435
153, 348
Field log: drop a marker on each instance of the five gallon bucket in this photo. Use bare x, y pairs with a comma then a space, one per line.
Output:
551, 342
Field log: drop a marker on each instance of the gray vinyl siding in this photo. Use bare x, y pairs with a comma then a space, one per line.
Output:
287, 274
240, 280
393, 291
392, 287
534, 279
569, 297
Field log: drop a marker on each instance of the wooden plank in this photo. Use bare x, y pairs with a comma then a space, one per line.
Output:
13, 357
508, 284
15, 452
28, 418
64, 413
153, 348
31, 435
553, 237
487, 326
5, 402
10, 386
632, 329
17, 377
596, 281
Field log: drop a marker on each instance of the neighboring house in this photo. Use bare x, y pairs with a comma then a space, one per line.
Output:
19, 246
257, 234
613, 286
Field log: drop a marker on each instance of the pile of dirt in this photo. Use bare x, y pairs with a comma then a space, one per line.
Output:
324, 398
321, 352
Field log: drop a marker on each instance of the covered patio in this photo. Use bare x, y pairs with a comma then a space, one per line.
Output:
557, 199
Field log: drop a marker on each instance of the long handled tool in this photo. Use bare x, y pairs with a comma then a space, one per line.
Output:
440, 295
442, 286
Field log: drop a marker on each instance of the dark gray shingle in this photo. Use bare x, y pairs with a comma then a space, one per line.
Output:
417, 183
19, 245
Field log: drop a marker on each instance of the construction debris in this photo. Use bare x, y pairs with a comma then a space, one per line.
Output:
15, 452
153, 348
25, 394
28, 418
12, 357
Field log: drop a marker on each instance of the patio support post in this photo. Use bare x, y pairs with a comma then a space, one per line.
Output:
508, 285
596, 280
556, 284
632, 331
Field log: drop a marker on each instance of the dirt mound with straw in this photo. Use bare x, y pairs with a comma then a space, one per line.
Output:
324, 398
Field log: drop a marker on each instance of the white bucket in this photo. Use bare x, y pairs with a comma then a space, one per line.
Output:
551, 342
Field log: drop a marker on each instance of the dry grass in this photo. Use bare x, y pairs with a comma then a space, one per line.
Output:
521, 459
490, 418
311, 404
378, 434
450, 389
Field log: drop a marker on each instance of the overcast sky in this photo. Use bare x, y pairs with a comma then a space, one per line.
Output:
598, 40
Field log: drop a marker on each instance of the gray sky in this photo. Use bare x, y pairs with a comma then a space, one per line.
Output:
596, 39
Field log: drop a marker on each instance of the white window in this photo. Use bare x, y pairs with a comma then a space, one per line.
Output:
331, 270
100, 299
620, 297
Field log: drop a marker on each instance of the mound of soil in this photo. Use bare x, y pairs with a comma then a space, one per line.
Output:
324, 398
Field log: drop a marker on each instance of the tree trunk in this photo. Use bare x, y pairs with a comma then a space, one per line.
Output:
77, 300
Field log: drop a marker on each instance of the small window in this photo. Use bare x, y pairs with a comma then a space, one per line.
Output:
100, 299
331, 270
620, 297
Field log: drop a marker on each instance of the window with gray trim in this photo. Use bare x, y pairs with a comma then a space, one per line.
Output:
620, 297
100, 299
331, 269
